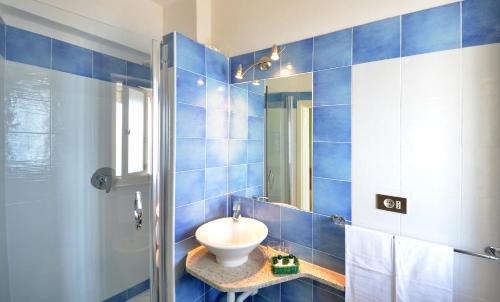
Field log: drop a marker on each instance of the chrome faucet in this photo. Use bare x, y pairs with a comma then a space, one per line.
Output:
236, 212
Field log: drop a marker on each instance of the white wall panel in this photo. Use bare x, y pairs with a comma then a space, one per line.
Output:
431, 146
480, 223
376, 89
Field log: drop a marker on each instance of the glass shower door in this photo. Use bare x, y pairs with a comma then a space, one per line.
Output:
74, 108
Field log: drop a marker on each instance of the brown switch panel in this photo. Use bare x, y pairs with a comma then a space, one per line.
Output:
391, 203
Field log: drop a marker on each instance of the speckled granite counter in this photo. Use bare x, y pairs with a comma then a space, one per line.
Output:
254, 274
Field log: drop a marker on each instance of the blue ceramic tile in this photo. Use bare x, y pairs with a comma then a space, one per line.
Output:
71, 58
189, 289
321, 295
328, 261
272, 72
332, 123
256, 128
303, 252
481, 22
217, 124
216, 208
169, 40
217, 65
237, 178
2, 38
332, 197
378, 40
259, 298
297, 57
214, 295
238, 126
246, 204
190, 55
296, 226
272, 292
254, 191
296, 291
189, 187
329, 289
138, 288
431, 30
190, 122
255, 175
332, 160
217, 151
256, 104
269, 214
138, 75
190, 154
108, 68
328, 237
243, 86
182, 249
238, 100
217, 95
255, 151
216, 181
26, 47
258, 87
187, 219
245, 60
120, 297
333, 50
190, 88
237, 152
332, 87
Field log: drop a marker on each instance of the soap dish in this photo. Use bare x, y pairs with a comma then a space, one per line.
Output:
285, 265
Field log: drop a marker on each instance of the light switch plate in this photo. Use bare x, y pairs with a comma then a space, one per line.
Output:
391, 203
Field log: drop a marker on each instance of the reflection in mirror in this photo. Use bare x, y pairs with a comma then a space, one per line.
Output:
289, 141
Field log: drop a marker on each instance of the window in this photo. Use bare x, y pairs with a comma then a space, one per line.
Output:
132, 145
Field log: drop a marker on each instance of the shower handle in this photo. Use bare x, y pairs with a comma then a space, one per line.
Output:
138, 213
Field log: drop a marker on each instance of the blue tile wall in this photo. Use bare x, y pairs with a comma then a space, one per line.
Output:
333, 50
107, 67
297, 57
71, 58
332, 87
2, 38
217, 65
481, 22
190, 55
235, 124
431, 30
378, 40
203, 166
26, 47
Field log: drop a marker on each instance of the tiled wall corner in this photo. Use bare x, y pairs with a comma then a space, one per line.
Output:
202, 148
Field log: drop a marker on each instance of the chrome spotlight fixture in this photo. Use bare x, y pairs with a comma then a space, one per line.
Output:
264, 63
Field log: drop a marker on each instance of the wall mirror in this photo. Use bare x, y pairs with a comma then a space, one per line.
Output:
288, 151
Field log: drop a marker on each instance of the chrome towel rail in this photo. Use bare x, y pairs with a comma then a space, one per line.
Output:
493, 253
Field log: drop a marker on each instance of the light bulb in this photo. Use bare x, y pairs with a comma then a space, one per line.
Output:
275, 54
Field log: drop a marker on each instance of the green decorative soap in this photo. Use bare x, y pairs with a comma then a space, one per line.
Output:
285, 265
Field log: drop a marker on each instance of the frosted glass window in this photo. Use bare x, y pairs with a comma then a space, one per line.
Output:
136, 110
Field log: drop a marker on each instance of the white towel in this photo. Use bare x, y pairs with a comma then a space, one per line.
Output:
423, 271
369, 265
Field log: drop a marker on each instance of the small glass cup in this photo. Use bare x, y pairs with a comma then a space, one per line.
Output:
273, 249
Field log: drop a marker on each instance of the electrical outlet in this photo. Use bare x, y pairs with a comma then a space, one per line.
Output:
391, 203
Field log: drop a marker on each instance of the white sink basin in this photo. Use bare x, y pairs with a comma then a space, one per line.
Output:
231, 241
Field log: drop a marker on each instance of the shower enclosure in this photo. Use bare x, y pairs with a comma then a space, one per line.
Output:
78, 120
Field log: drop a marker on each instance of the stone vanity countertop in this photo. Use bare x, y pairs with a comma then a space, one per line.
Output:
254, 274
